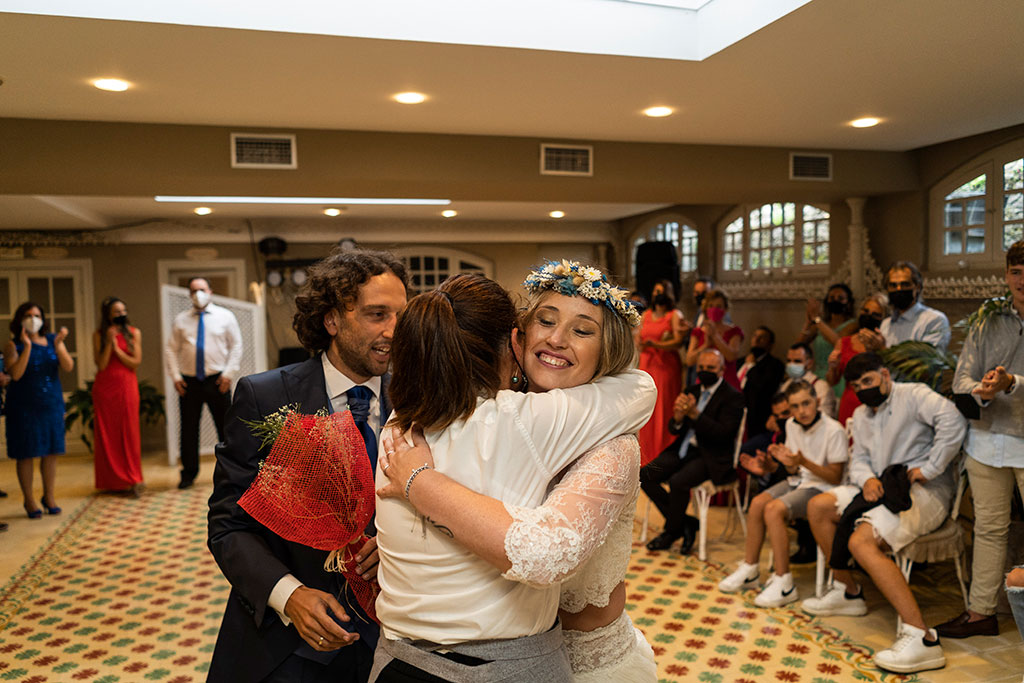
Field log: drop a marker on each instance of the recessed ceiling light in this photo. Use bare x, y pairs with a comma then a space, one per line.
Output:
449, 213
111, 84
557, 214
658, 112
328, 201
332, 212
410, 97
866, 122
202, 211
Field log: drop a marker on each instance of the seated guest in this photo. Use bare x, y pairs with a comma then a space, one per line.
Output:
911, 319
754, 451
715, 332
912, 427
708, 417
1015, 595
759, 379
874, 309
800, 367
814, 455
826, 322
991, 368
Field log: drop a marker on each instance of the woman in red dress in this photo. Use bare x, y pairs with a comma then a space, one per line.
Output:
716, 333
117, 347
661, 334
874, 310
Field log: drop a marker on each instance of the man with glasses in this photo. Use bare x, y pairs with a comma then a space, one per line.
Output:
911, 319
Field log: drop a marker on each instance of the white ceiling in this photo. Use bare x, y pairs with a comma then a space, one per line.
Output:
934, 70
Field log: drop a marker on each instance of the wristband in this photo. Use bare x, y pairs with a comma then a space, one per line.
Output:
415, 473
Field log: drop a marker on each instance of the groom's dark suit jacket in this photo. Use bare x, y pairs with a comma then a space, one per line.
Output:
253, 640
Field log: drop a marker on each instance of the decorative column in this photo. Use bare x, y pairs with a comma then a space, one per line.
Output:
858, 247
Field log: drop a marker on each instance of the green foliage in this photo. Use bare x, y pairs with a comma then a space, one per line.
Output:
993, 306
80, 409
920, 361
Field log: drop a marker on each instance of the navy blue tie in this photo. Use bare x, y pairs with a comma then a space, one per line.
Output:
359, 404
200, 350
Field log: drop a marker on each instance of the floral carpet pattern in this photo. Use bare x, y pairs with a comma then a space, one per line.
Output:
126, 591
701, 634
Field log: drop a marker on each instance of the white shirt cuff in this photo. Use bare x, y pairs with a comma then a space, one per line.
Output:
283, 590
1017, 379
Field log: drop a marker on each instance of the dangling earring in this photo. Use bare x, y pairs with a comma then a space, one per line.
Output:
515, 378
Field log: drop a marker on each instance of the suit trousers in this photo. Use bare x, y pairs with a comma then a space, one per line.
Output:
296, 669
681, 475
197, 393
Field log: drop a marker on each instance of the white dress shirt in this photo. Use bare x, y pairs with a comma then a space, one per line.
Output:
918, 323
222, 343
510, 448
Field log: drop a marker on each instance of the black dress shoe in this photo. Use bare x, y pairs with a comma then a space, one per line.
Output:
186, 483
689, 536
662, 541
962, 627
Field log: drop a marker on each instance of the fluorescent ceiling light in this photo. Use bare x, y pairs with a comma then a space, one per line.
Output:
332, 212
450, 213
391, 201
111, 84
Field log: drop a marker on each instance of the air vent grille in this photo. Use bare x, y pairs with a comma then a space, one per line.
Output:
253, 150
575, 160
810, 166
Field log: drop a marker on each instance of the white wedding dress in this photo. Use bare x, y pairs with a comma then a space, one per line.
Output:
581, 536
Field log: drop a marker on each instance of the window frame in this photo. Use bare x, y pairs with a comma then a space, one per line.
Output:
486, 266
742, 213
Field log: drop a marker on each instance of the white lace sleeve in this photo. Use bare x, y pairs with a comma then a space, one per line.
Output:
550, 542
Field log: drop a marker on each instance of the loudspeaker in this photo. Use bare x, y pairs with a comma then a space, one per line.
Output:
656, 261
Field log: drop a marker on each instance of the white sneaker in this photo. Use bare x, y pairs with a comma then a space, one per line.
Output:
746, 576
777, 592
835, 604
911, 652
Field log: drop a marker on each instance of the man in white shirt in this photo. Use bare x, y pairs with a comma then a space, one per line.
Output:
800, 367
911, 320
910, 425
203, 355
281, 618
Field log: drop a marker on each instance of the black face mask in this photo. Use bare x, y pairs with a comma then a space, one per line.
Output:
872, 397
902, 299
835, 307
757, 352
706, 378
868, 322
698, 299
120, 320
663, 301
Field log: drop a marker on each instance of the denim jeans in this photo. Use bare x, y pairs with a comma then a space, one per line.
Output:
1015, 594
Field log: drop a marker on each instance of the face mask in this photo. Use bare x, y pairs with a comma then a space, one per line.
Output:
795, 370
715, 314
757, 352
663, 301
698, 299
835, 307
872, 397
868, 322
200, 298
120, 320
706, 378
32, 324
902, 299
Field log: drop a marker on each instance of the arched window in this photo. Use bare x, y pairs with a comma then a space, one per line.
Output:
682, 236
977, 211
776, 235
429, 266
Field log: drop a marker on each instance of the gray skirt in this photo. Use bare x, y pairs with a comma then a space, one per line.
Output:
530, 659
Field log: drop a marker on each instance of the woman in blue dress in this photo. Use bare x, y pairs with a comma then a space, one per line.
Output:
35, 402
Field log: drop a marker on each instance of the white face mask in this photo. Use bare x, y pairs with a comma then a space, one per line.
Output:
795, 370
32, 323
200, 298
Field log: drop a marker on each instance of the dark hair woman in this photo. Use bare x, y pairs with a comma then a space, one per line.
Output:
504, 444
827, 320
35, 403
117, 349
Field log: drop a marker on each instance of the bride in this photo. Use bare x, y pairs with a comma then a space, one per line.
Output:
585, 523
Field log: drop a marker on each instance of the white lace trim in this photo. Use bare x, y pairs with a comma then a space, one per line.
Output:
602, 647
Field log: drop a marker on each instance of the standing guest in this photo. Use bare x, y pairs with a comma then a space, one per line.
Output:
661, 333
911, 427
701, 287
716, 333
117, 348
814, 455
800, 367
872, 312
760, 377
754, 456
203, 355
991, 368
826, 322
35, 402
278, 623
708, 416
5, 379
911, 320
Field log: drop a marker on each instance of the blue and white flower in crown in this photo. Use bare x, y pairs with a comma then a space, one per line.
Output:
571, 278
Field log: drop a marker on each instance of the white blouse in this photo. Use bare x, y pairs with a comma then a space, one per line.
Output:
512, 446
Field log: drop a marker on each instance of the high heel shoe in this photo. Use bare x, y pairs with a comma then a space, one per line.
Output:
49, 510
34, 514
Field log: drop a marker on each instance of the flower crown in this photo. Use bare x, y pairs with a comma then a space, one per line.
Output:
571, 278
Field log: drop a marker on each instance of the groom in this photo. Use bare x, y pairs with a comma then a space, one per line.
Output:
277, 623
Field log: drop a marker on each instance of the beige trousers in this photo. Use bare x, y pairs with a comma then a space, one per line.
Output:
992, 491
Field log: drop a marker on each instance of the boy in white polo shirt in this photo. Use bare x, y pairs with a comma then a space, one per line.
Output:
814, 454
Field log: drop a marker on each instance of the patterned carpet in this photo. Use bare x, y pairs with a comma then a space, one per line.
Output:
125, 591
700, 634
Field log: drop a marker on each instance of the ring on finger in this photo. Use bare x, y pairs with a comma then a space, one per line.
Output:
321, 641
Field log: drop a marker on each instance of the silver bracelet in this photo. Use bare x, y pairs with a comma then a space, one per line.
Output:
415, 473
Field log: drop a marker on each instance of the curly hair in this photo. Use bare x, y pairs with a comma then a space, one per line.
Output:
334, 283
